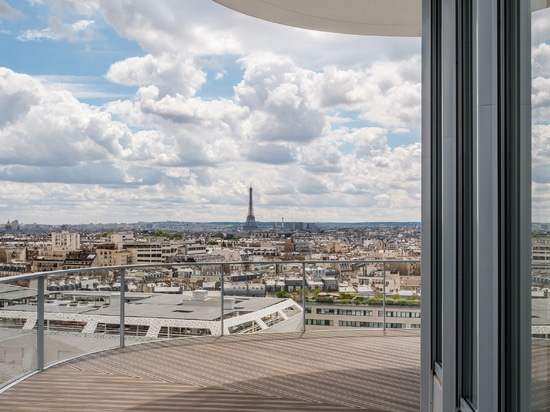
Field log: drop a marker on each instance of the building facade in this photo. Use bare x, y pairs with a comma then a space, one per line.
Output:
338, 316
65, 241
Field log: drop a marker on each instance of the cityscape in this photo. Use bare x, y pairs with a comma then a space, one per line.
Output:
275, 205
36, 247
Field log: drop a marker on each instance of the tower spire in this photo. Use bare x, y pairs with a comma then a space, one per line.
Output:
250, 224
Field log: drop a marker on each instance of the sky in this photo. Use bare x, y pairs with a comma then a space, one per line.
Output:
133, 110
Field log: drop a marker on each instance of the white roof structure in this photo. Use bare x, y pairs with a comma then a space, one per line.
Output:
370, 17
367, 17
154, 312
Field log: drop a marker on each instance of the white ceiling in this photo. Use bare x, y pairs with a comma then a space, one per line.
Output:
370, 17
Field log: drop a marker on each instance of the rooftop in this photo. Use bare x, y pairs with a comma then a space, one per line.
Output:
369, 370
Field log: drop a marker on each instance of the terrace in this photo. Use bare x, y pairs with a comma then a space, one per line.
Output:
123, 368
319, 370
60, 357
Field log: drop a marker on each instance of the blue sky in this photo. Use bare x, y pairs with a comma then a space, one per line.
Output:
132, 110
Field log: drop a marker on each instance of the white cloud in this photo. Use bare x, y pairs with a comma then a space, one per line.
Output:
541, 60
270, 153
57, 30
46, 127
75, 7
177, 73
540, 26
277, 94
291, 129
206, 28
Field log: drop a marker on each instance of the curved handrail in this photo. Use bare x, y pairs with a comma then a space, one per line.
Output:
42, 276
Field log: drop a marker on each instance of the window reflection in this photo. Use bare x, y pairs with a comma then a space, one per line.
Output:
540, 245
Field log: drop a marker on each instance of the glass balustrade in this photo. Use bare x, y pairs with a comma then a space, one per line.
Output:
18, 333
53, 316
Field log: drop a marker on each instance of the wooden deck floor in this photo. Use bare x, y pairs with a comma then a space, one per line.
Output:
316, 371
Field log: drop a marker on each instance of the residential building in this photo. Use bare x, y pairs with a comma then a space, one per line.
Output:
109, 254
336, 316
65, 241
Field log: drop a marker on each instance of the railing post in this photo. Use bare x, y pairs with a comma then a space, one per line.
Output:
384, 293
304, 296
221, 292
122, 306
40, 325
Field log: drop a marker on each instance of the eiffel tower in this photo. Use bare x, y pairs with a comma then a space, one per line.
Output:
250, 224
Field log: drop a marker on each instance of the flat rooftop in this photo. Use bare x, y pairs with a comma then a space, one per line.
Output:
147, 305
369, 370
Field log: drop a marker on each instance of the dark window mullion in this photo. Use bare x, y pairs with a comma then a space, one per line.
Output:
509, 201
436, 185
466, 302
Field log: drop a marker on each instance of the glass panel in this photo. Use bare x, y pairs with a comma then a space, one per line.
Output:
262, 297
75, 308
332, 302
541, 211
368, 294
18, 355
178, 302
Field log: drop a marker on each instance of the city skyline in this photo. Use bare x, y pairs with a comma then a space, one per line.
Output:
130, 111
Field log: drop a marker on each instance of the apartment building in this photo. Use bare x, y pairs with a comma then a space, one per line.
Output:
337, 316
65, 241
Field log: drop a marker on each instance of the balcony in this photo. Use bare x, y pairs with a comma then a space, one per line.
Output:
85, 343
318, 370
92, 353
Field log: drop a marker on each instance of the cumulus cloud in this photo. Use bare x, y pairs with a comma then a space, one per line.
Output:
270, 153
306, 125
276, 93
541, 153
541, 60
206, 28
58, 30
96, 172
540, 27
46, 127
177, 73
322, 157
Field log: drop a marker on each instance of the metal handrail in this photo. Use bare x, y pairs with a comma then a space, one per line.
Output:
36, 275
41, 276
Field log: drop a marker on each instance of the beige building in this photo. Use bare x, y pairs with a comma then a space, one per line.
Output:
109, 254
65, 241
152, 252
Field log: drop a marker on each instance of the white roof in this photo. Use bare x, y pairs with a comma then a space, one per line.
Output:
372, 17
369, 17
